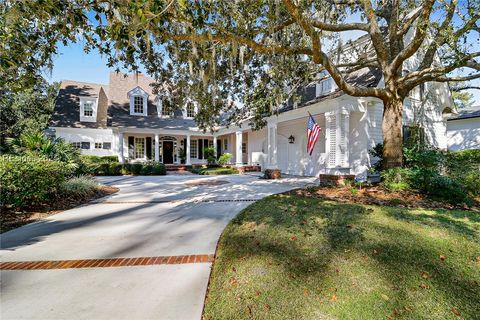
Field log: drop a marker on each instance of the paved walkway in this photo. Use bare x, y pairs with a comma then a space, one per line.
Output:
143, 253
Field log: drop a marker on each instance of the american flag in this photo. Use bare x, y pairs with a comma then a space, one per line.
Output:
313, 130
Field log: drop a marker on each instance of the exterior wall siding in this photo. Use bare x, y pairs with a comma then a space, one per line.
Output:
463, 134
88, 135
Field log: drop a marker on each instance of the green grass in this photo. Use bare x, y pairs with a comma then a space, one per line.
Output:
291, 257
214, 171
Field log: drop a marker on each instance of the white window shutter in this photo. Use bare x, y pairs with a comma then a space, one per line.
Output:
337, 125
332, 144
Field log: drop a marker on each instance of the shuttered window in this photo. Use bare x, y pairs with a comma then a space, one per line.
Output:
332, 125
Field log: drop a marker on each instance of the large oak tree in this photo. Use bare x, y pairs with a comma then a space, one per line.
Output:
245, 58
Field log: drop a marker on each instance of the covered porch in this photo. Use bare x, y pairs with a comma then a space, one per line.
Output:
169, 148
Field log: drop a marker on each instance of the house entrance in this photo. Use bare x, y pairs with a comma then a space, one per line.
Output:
167, 152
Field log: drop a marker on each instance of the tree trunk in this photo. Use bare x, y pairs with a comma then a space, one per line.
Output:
392, 133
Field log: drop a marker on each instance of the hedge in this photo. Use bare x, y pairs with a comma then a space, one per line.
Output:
30, 181
464, 167
116, 169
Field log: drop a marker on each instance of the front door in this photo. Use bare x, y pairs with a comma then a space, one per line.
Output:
168, 152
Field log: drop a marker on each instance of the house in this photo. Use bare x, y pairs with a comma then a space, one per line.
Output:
125, 118
463, 129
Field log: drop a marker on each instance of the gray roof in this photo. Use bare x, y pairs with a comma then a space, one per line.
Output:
365, 77
466, 113
67, 106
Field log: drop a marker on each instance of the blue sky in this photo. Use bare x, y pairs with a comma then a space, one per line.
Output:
73, 63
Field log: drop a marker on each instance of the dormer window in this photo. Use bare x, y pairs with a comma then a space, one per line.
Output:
138, 102
88, 109
324, 86
190, 110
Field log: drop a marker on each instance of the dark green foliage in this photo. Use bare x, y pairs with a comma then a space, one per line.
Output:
25, 111
464, 166
115, 169
159, 169
377, 152
209, 171
451, 177
146, 169
28, 181
135, 168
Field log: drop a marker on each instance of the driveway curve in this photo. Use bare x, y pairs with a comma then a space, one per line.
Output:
152, 237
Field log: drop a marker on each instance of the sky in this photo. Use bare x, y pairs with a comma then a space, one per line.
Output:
72, 63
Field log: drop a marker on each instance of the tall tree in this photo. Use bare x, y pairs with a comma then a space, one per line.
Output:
248, 57
27, 110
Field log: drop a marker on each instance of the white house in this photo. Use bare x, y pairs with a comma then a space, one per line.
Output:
463, 129
125, 118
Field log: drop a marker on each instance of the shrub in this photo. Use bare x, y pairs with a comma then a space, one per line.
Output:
79, 187
464, 167
146, 169
27, 181
396, 179
225, 158
135, 168
159, 169
210, 155
377, 152
115, 169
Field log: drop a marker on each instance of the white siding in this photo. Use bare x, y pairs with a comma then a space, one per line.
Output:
463, 134
88, 135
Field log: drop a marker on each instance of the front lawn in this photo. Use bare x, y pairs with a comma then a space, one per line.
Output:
294, 257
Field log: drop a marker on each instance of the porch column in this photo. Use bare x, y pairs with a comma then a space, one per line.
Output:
188, 161
121, 156
238, 149
157, 148
272, 146
215, 145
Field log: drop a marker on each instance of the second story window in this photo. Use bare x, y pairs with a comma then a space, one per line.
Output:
88, 109
190, 110
138, 104
138, 101
324, 86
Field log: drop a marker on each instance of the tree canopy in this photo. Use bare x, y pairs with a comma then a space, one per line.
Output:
246, 58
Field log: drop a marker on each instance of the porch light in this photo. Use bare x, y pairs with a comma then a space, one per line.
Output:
291, 139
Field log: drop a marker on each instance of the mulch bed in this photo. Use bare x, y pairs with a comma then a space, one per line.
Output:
11, 219
376, 195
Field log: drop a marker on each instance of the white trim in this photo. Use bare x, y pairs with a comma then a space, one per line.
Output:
93, 117
138, 92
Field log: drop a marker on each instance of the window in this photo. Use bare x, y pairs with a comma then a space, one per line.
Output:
138, 104
107, 145
88, 109
244, 147
98, 145
77, 145
193, 149
225, 144
190, 110
325, 84
85, 145
139, 148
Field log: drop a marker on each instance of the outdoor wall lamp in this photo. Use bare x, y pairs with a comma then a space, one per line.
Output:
291, 139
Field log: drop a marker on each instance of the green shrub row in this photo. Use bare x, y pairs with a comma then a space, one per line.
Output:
209, 171
115, 168
30, 180
452, 176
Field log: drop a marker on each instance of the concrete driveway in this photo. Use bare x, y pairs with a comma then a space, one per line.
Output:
157, 237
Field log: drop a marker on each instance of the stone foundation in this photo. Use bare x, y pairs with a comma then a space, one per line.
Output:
337, 180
